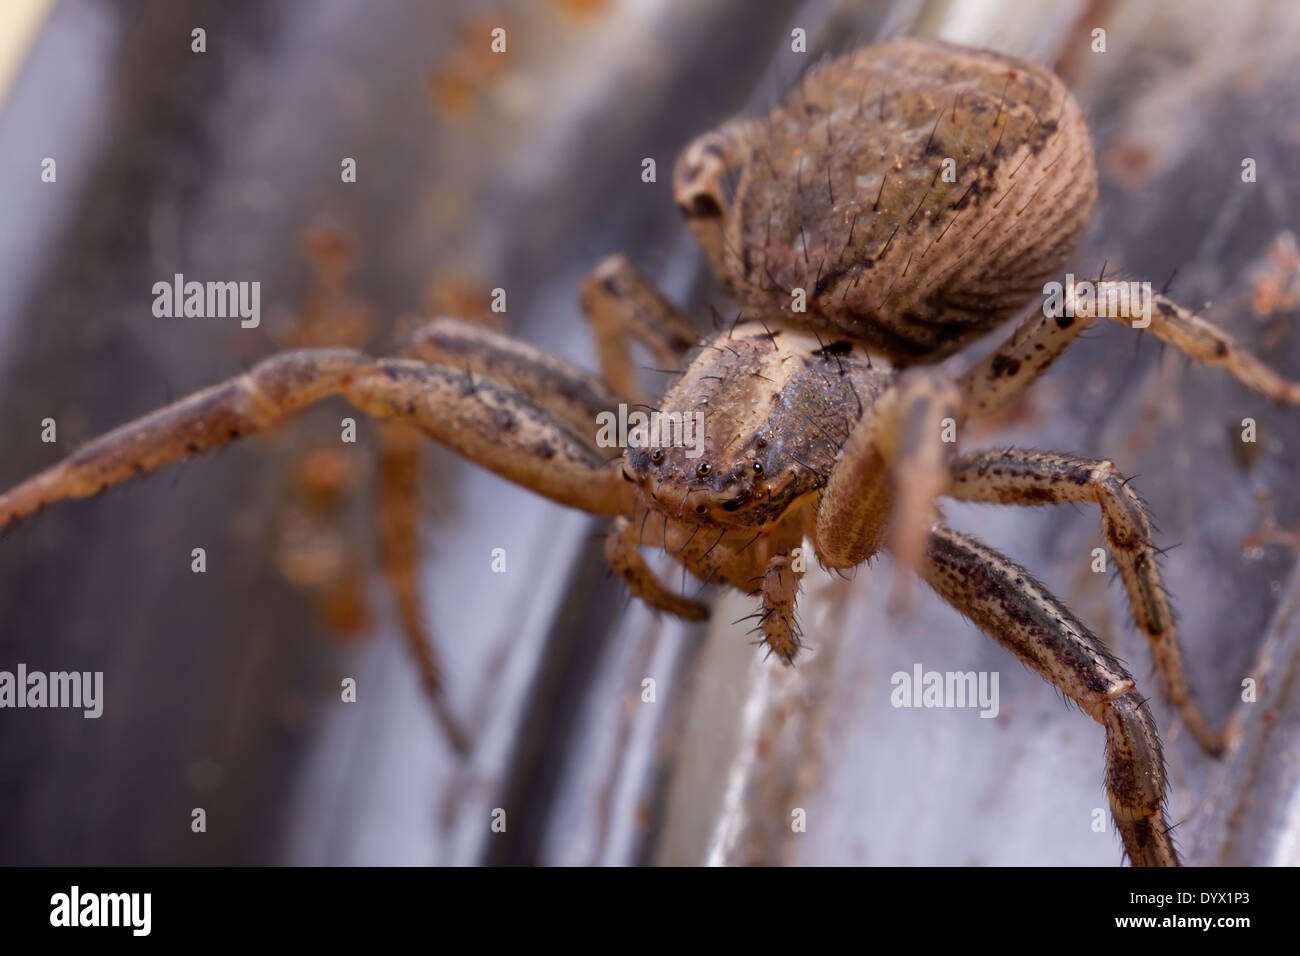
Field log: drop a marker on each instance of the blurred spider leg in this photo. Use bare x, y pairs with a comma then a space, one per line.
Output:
778, 623
621, 303
487, 423
1192, 335
621, 551
1005, 602
204, 420
1022, 477
699, 185
895, 462
1036, 343
398, 487
569, 393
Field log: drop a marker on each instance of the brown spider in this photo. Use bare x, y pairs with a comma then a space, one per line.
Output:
859, 263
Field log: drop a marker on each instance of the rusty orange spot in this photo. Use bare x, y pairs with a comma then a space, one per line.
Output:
581, 9
454, 86
1131, 163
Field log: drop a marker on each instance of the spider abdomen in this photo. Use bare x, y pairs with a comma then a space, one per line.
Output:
911, 195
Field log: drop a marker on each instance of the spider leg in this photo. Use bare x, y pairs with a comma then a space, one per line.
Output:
1016, 364
1201, 340
893, 463
621, 552
1020, 477
570, 394
398, 522
698, 187
535, 443
487, 423
567, 392
780, 590
1005, 602
621, 302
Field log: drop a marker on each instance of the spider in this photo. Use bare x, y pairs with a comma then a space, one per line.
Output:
902, 202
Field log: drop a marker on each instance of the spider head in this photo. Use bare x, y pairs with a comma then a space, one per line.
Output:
753, 425
737, 487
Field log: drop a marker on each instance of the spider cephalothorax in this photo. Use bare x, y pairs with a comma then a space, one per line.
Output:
853, 255
775, 409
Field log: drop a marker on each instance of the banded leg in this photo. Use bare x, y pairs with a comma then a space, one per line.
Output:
1022, 358
1017, 363
1196, 338
621, 551
1021, 477
1005, 602
487, 423
622, 303
895, 462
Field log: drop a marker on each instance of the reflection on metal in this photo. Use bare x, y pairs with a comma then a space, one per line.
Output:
1251, 813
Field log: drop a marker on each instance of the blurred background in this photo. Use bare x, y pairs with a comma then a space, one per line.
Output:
522, 170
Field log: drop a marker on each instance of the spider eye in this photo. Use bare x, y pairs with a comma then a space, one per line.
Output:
703, 469
657, 455
758, 467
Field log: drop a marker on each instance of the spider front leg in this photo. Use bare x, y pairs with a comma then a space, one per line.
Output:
1020, 477
1005, 601
570, 394
488, 423
893, 466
